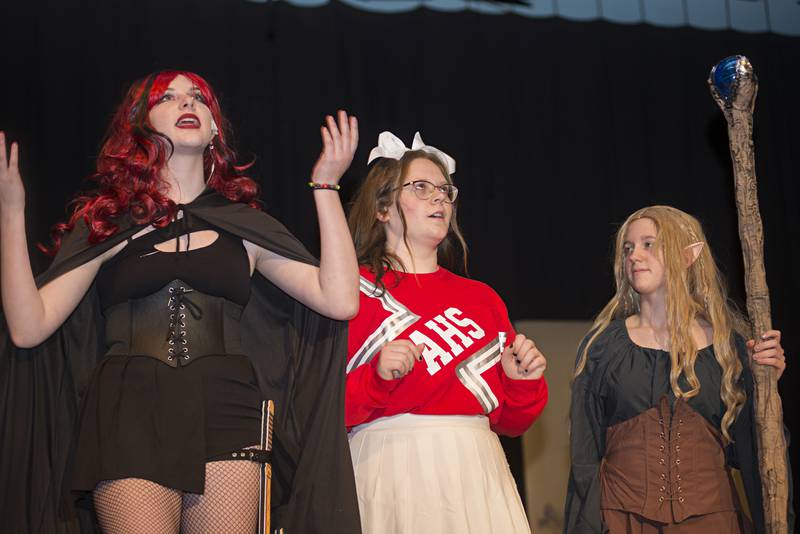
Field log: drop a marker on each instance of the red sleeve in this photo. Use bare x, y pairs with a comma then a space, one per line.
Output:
522, 401
522, 404
365, 393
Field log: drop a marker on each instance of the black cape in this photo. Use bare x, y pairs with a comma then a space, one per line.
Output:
596, 404
298, 355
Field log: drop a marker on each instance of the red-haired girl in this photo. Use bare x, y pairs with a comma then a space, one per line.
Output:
151, 320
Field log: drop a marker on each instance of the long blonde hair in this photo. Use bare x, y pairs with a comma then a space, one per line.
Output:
380, 189
693, 292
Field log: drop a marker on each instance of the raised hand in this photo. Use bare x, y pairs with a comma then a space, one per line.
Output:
397, 358
12, 193
768, 351
339, 142
522, 360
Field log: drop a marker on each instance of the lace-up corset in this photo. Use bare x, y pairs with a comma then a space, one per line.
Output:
177, 325
175, 306
666, 465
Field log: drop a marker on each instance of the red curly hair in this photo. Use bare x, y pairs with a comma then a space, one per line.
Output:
130, 162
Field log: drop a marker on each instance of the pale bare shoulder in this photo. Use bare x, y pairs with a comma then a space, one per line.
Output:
110, 253
257, 255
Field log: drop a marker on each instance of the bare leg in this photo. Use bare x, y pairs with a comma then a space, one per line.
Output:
137, 506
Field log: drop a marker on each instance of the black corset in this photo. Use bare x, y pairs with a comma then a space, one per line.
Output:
176, 325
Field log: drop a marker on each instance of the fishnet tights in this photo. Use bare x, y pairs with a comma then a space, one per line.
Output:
230, 501
137, 506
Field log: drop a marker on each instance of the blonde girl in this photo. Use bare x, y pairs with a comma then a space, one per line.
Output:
662, 394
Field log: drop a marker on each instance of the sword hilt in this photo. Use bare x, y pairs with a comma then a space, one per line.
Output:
265, 477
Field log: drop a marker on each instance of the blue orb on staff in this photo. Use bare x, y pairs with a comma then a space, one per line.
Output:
733, 83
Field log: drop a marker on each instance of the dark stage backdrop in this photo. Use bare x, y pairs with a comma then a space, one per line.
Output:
561, 129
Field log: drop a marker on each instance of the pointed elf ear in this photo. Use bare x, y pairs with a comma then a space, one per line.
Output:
692, 252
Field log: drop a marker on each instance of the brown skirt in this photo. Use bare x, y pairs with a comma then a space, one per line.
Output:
619, 522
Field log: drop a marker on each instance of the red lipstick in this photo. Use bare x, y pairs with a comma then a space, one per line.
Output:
188, 120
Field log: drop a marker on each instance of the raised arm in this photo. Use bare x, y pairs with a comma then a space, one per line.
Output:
32, 314
332, 288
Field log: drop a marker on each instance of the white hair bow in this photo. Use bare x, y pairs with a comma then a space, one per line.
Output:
390, 146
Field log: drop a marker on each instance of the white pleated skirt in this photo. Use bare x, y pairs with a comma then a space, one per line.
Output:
434, 474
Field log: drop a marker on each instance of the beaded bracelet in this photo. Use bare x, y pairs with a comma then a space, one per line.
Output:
322, 185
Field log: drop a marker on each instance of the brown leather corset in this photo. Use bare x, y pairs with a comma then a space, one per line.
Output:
176, 325
666, 466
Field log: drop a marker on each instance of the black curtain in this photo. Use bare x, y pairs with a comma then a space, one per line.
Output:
560, 129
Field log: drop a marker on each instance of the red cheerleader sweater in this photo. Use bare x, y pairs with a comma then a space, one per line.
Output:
462, 324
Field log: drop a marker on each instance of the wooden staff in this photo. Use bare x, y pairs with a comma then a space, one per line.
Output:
734, 86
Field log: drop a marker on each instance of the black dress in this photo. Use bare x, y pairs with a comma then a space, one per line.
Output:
144, 418
622, 381
297, 355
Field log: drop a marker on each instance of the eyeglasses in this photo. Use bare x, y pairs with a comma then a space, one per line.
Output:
424, 190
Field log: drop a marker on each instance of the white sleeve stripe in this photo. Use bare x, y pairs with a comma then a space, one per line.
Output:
469, 373
400, 319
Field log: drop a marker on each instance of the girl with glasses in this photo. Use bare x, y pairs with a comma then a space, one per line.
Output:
435, 368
